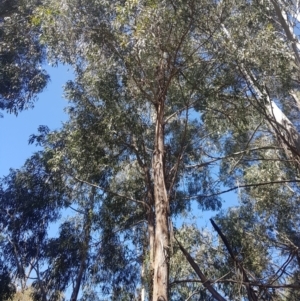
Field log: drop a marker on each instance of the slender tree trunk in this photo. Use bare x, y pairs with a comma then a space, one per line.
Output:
283, 20
41, 284
161, 240
151, 237
291, 136
143, 272
85, 248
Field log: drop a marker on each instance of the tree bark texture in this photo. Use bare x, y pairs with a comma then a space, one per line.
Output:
161, 203
151, 238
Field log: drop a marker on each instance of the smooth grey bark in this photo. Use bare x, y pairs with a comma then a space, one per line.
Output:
278, 121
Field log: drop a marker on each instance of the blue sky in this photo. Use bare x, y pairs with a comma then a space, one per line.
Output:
48, 110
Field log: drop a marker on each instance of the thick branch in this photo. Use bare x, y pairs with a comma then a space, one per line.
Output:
206, 283
251, 293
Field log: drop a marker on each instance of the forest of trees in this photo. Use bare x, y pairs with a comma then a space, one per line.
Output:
174, 103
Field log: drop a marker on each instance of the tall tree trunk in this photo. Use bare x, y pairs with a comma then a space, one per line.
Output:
161, 239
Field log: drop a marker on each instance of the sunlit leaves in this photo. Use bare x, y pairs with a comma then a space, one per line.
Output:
21, 56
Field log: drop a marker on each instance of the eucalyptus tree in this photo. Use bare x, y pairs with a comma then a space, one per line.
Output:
67, 256
160, 94
263, 245
142, 70
89, 252
258, 47
283, 21
256, 38
264, 55
21, 55
31, 199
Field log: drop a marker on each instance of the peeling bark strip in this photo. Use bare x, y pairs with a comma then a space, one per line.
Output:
161, 239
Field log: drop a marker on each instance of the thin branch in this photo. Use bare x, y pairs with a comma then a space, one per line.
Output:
179, 111
229, 156
281, 270
109, 191
192, 295
237, 162
261, 285
76, 210
246, 186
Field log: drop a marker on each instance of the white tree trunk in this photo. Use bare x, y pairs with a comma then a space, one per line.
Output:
282, 18
277, 120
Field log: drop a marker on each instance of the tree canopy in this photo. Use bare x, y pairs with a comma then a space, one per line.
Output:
174, 103
21, 55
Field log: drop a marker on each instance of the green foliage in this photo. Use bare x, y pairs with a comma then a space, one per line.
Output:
21, 56
31, 200
7, 289
210, 71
